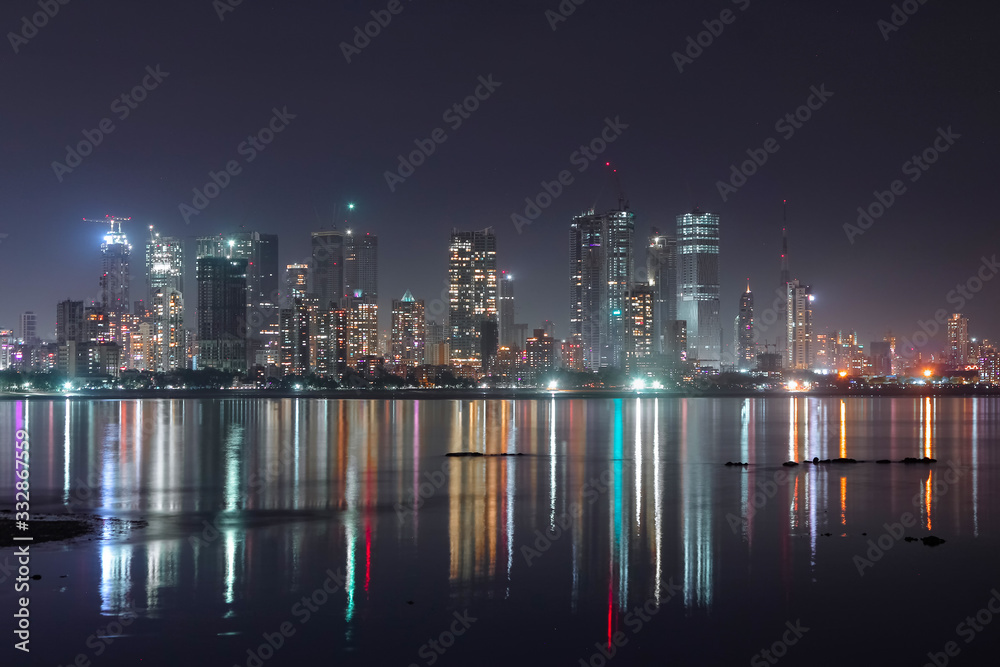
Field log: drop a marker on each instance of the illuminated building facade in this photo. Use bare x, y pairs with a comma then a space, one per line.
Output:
472, 292
294, 327
505, 309
296, 281
698, 285
164, 264
642, 326
957, 353
539, 355
167, 332
362, 331
746, 349
600, 268
408, 331
800, 334
661, 269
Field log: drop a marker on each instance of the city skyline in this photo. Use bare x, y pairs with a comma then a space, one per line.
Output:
670, 157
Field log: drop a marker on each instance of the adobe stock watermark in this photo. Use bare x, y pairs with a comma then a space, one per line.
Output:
767, 490
958, 297
592, 490
31, 25
122, 107
787, 126
455, 116
967, 629
303, 611
635, 620
878, 547
223, 7
713, 30
381, 18
104, 637
425, 490
432, 651
581, 158
915, 167
248, 149
779, 649
901, 13
562, 13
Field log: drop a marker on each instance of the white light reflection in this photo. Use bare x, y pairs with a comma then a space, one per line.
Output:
552, 465
638, 462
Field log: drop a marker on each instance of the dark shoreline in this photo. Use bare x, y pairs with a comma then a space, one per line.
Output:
494, 394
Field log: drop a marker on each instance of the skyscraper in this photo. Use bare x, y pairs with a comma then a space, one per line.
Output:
661, 269
746, 352
698, 285
296, 281
115, 277
164, 264
408, 331
29, 328
472, 275
505, 309
361, 265
222, 299
167, 331
295, 348
600, 274
69, 322
328, 278
642, 326
800, 333
957, 353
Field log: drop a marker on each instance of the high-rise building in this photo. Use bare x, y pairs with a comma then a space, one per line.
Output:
408, 331
295, 348
115, 277
472, 291
957, 353
361, 265
800, 334
29, 328
661, 269
600, 275
642, 326
328, 277
164, 264
880, 355
505, 309
69, 322
261, 254
222, 301
698, 285
438, 345
746, 349
167, 332
540, 356
362, 331
296, 281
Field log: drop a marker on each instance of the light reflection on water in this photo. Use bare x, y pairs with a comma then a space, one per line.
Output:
250, 498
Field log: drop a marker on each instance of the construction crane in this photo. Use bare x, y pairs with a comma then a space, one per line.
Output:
114, 222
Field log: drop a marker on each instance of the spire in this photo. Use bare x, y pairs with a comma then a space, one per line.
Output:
408, 298
748, 285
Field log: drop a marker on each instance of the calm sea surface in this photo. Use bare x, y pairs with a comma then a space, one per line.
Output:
616, 530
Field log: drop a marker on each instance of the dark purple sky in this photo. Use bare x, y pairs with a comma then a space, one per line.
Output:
608, 59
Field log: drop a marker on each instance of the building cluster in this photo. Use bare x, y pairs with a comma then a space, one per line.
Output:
322, 319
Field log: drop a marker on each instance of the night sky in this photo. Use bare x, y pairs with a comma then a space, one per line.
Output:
606, 60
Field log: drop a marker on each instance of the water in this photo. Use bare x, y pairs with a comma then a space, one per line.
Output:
618, 531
